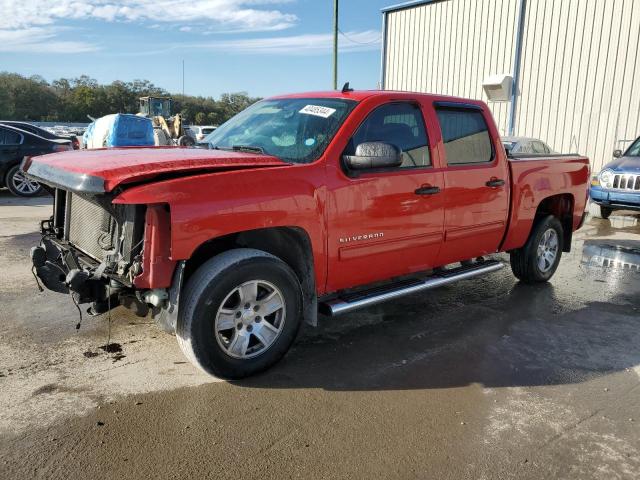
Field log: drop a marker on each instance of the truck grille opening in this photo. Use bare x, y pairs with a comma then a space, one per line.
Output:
627, 182
90, 227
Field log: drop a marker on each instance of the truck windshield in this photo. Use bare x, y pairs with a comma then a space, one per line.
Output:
634, 150
296, 130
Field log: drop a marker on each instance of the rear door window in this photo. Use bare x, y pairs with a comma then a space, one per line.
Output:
9, 137
465, 135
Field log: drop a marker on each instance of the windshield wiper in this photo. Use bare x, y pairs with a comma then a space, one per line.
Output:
248, 148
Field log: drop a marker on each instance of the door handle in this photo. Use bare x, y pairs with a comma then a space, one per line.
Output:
427, 190
495, 182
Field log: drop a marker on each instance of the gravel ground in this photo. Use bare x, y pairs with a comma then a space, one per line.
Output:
486, 379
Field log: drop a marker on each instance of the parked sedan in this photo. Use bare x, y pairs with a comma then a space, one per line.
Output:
525, 145
15, 144
617, 186
201, 131
41, 132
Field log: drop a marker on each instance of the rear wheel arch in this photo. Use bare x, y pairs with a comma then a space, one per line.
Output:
560, 206
290, 244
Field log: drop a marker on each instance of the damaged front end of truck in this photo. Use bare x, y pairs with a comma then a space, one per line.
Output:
94, 248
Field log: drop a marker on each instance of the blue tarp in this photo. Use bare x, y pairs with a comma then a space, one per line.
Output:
119, 130
130, 130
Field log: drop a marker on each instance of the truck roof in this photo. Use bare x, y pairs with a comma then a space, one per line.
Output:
359, 95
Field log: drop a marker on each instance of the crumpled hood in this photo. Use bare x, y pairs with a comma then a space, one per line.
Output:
101, 170
625, 165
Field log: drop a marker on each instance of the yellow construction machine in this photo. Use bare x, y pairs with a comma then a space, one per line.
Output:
167, 129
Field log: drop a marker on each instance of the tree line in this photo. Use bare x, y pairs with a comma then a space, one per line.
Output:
71, 100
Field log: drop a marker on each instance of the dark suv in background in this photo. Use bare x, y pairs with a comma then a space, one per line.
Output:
15, 144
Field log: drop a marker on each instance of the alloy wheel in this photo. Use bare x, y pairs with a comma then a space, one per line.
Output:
547, 250
250, 319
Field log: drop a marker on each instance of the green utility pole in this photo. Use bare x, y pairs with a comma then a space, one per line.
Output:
335, 44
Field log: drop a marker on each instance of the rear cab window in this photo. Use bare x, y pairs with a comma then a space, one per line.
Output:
400, 124
465, 135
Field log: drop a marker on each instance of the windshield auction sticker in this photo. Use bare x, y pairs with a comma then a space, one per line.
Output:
318, 111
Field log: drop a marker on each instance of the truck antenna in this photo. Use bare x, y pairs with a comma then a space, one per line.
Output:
346, 88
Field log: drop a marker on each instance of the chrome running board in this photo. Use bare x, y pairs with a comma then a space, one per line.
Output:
354, 301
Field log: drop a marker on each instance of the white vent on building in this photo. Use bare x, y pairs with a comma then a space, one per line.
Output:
498, 87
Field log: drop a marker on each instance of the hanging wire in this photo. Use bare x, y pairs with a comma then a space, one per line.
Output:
79, 310
109, 313
33, 272
358, 42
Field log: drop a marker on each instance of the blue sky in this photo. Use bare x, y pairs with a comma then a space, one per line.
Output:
263, 47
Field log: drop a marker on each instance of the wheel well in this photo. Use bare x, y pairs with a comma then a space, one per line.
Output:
4, 177
291, 244
561, 207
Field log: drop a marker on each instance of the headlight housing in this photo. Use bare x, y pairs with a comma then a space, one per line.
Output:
606, 178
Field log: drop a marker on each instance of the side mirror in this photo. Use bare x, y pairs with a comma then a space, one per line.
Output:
374, 155
617, 153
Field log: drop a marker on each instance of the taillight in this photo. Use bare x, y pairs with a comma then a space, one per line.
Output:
26, 163
62, 148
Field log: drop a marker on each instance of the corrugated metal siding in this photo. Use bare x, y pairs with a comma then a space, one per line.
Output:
579, 64
450, 47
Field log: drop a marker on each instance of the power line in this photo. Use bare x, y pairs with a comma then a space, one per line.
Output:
356, 41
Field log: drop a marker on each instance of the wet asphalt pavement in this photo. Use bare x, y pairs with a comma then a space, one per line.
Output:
487, 378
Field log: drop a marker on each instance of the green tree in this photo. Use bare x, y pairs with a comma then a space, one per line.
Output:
200, 118
72, 99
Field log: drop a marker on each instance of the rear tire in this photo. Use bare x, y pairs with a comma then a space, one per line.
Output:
186, 141
240, 312
538, 259
20, 185
605, 212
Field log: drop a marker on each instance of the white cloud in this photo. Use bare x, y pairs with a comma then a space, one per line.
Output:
235, 14
311, 44
32, 25
40, 40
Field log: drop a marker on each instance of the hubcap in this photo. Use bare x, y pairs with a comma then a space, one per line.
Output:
250, 319
547, 250
23, 184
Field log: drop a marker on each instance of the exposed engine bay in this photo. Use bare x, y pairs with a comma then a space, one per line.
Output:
93, 250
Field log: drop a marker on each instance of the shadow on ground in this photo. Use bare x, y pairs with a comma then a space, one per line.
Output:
495, 331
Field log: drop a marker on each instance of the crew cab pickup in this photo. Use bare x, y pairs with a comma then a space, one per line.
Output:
307, 203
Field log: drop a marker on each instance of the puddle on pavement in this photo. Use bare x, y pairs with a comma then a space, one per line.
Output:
623, 221
615, 224
614, 254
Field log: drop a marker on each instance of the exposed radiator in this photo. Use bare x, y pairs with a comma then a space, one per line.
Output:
90, 227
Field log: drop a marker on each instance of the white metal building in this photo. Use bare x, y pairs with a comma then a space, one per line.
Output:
575, 64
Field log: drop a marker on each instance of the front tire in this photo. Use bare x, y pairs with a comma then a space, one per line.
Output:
20, 185
605, 212
240, 313
538, 260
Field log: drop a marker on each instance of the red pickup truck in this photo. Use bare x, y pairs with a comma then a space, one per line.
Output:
307, 203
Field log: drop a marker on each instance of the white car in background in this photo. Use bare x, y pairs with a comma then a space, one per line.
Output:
201, 131
525, 145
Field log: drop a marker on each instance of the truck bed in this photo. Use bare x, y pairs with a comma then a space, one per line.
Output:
535, 178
